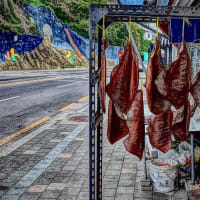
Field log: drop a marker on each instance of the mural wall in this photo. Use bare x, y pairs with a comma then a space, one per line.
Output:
20, 43
50, 26
42, 16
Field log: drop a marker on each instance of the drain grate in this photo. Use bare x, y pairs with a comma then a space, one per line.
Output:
4, 187
80, 118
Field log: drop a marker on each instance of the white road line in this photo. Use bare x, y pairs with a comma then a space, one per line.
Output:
9, 98
60, 86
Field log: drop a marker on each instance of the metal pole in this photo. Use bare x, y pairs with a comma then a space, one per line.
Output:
99, 128
192, 159
145, 165
92, 148
170, 53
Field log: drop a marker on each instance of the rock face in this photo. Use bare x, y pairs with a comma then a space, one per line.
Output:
44, 56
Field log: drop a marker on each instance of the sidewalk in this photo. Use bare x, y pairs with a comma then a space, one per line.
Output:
51, 162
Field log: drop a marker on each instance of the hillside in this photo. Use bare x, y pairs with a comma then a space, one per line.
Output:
12, 18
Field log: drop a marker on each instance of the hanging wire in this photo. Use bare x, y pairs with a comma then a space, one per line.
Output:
99, 26
104, 32
183, 28
102, 28
129, 29
157, 24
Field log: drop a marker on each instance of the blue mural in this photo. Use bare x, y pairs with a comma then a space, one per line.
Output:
42, 16
21, 43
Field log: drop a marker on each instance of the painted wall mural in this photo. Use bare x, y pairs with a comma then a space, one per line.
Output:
49, 26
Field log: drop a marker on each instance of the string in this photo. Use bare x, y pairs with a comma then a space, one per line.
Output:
129, 28
183, 28
157, 23
188, 23
99, 26
103, 27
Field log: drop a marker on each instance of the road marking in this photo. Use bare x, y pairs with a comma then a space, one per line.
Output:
26, 82
67, 107
9, 98
28, 128
84, 98
60, 86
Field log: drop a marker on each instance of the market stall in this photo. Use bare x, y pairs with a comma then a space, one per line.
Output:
101, 16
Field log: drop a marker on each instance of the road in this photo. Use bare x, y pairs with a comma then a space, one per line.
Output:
28, 96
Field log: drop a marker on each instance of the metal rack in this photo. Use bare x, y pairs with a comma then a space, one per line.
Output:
114, 13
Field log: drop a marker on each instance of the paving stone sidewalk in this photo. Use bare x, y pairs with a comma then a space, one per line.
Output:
52, 163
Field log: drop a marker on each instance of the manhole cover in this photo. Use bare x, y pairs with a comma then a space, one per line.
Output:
80, 118
2, 187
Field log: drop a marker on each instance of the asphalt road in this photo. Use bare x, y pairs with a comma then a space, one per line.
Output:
28, 96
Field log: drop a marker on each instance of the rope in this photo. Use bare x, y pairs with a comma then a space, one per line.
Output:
183, 28
157, 24
104, 32
99, 26
102, 28
129, 29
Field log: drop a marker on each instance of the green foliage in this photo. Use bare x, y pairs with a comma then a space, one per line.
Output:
138, 34
9, 22
13, 18
34, 2
38, 3
9, 27
145, 45
34, 29
68, 65
60, 13
116, 34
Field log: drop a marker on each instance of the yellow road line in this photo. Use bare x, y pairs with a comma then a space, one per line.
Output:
84, 98
30, 81
67, 107
28, 128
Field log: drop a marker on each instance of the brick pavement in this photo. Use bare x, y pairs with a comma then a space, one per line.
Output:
52, 163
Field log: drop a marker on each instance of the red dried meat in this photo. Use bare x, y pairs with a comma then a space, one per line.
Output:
164, 27
123, 85
160, 130
157, 103
181, 128
195, 89
135, 121
178, 79
117, 128
103, 75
